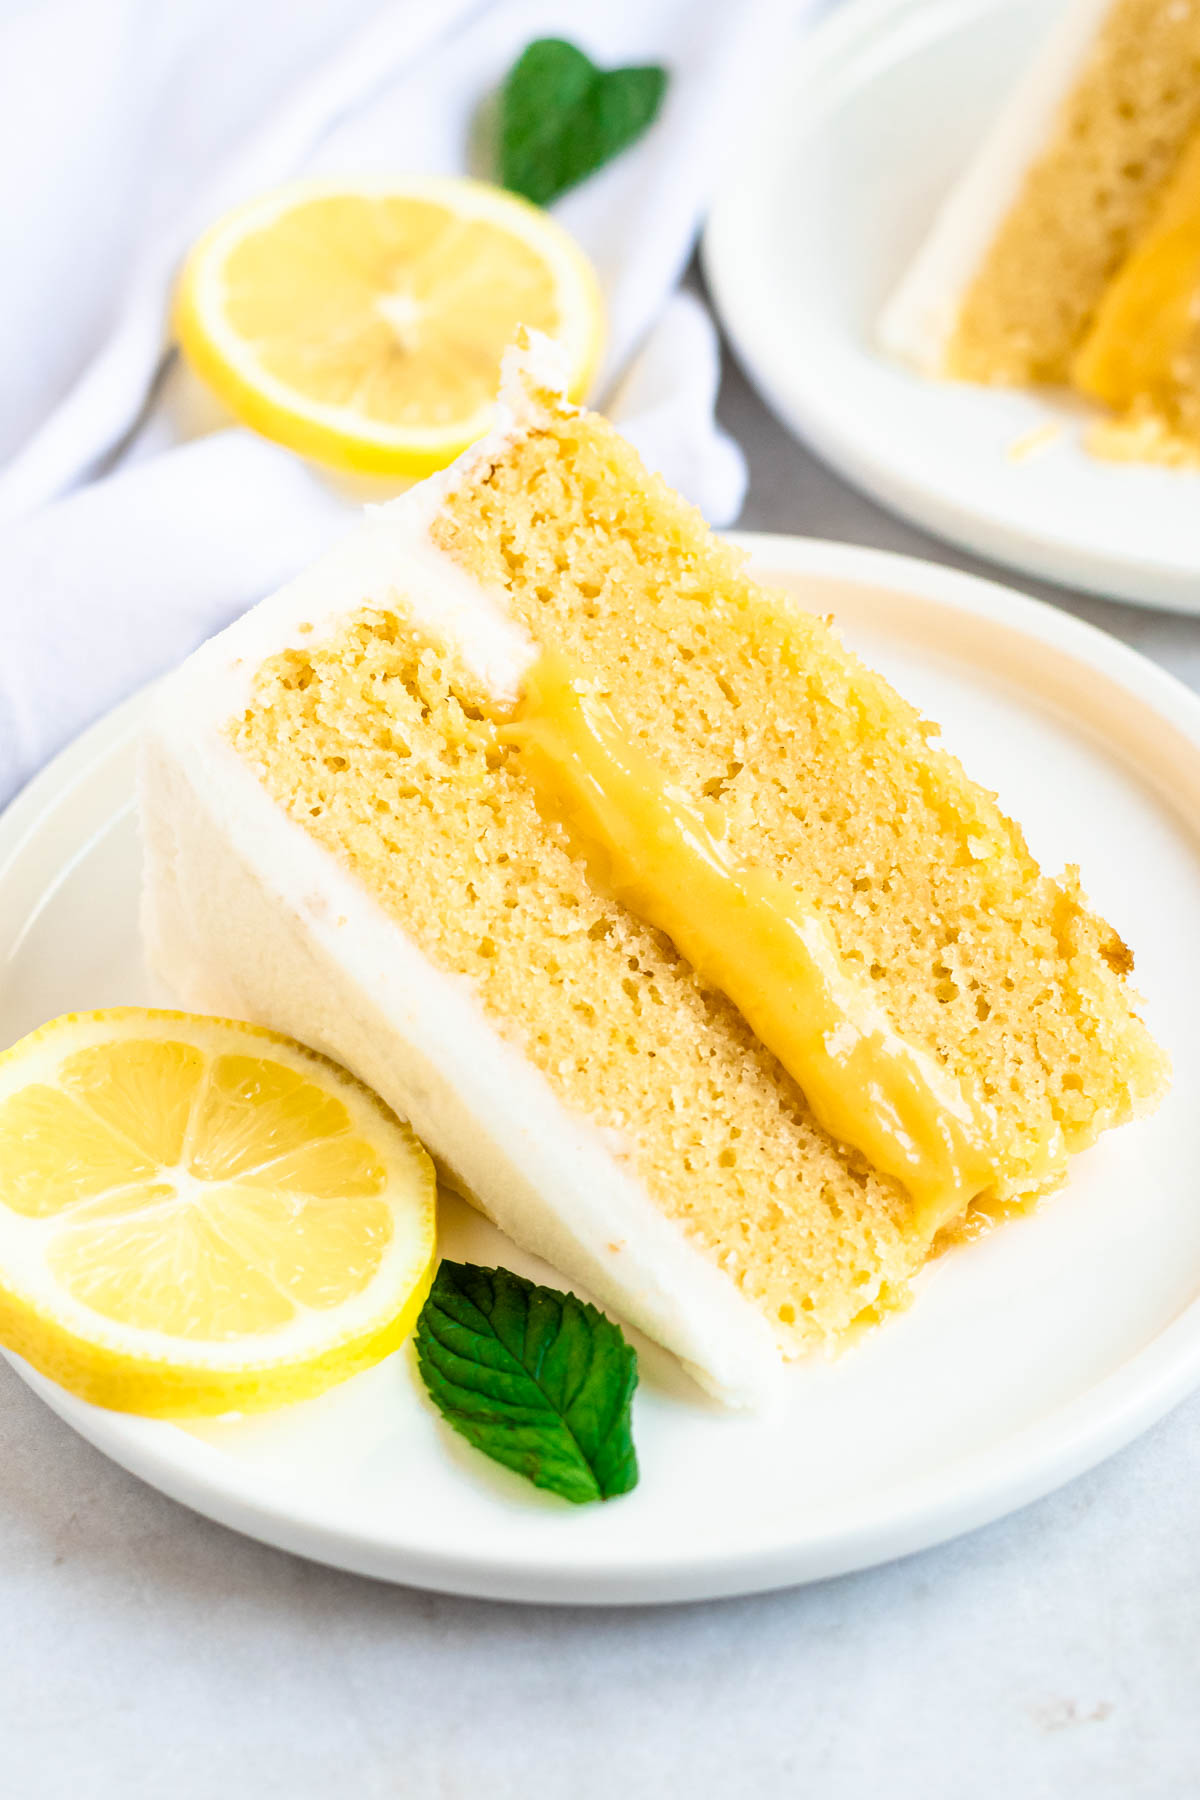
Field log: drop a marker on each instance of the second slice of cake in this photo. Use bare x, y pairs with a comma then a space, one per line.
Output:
666, 922
1068, 250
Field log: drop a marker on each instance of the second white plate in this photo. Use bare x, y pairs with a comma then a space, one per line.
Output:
1026, 1357
818, 213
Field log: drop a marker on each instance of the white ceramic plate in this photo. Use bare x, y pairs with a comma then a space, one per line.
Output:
1027, 1356
821, 206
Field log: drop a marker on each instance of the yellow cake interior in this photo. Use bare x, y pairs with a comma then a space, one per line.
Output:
1066, 289
384, 746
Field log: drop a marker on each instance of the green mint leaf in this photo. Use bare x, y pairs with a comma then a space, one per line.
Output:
538, 1380
562, 118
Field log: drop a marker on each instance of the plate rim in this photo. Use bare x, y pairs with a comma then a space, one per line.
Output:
803, 406
1005, 1474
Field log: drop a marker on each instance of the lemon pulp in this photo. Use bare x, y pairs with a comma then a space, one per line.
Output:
196, 1214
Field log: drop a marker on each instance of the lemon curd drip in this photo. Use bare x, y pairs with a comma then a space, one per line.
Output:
1136, 350
755, 937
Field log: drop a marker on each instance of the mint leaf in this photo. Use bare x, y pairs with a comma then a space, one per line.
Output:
537, 1380
562, 118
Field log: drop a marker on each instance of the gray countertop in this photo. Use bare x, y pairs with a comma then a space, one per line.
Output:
149, 1653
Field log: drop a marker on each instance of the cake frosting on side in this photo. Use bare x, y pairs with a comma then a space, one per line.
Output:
344, 841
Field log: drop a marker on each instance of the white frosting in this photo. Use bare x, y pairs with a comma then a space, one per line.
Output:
246, 914
919, 319
389, 558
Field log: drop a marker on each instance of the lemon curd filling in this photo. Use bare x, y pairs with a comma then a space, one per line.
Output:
755, 937
1147, 319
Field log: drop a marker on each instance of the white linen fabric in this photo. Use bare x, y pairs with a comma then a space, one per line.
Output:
125, 126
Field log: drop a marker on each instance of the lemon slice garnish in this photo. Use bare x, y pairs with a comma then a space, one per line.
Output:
199, 1216
363, 324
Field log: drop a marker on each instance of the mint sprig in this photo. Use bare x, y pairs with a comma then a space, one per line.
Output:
538, 1380
562, 118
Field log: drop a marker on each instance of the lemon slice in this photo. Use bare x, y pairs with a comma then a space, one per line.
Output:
363, 325
198, 1216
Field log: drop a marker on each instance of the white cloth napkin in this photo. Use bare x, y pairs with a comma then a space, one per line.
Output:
124, 127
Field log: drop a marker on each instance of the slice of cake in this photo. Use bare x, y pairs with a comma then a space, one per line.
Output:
666, 922
1069, 250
